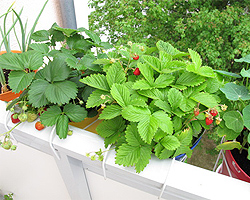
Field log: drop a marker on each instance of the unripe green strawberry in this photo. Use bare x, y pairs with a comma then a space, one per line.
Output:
70, 132
13, 147
22, 117
31, 116
6, 145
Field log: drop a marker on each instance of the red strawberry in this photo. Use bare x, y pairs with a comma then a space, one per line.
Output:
136, 57
196, 111
137, 72
14, 118
209, 121
213, 112
39, 126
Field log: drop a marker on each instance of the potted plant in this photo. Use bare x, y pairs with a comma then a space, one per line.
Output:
236, 124
6, 93
60, 57
153, 104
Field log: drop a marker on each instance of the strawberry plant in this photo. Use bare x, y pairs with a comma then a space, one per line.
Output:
153, 112
49, 73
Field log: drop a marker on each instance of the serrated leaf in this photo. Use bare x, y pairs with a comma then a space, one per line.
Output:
147, 72
31, 59
173, 66
235, 92
228, 133
145, 156
127, 155
110, 112
138, 102
213, 85
142, 85
159, 135
37, 93
11, 61
234, 121
165, 122
175, 98
96, 100
40, 47
153, 62
186, 137
40, 36
205, 99
187, 104
183, 150
98, 81
50, 117
109, 127
163, 80
20, 80
93, 36
168, 48
196, 59
121, 94
115, 74
147, 128
229, 74
153, 94
206, 71
229, 145
164, 105
102, 61
170, 142
62, 125
75, 113
87, 62
61, 92
135, 114
132, 136
246, 116
190, 79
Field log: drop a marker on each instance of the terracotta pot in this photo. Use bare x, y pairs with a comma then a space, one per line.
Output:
234, 168
9, 96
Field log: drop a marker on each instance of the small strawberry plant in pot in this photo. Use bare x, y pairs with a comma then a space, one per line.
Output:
153, 105
236, 122
61, 58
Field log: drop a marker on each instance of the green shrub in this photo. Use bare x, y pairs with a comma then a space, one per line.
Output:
219, 30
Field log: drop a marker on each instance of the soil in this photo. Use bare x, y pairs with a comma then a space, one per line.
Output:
204, 154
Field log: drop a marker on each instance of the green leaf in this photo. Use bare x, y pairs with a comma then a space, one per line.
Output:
206, 71
11, 61
75, 113
111, 112
245, 73
41, 48
147, 128
244, 59
228, 133
235, 92
147, 72
93, 36
50, 117
229, 145
175, 98
62, 126
87, 62
37, 93
61, 92
153, 94
205, 99
246, 116
40, 36
142, 85
164, 105
98, 81
127, 155
32, 60
168, 48
183, 149
152, 61
196, 59
109, 127
20, 80
96, 100
173, 66
186, 137
56, 70
135, 114
213, 85
102, 61
132, 135
165, 122
121, 94
145, 156
190, 79
115, 74
229, 74
170, 142
164, 80
234, 121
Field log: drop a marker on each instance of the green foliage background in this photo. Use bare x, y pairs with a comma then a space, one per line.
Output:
219, 30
